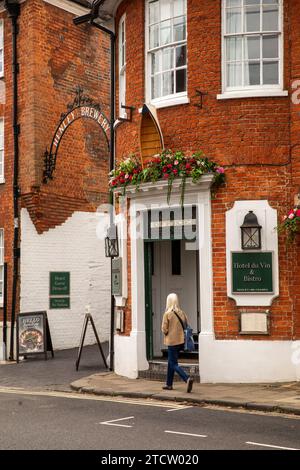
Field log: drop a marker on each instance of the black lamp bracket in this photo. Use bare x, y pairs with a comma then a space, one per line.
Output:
200, 94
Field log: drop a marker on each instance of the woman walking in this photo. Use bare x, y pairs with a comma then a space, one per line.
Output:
174, 339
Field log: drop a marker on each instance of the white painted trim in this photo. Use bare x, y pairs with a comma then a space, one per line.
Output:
267, 217
255, 91
228, 95
130, 352
70, 7
174, 101
2, 180
161, 186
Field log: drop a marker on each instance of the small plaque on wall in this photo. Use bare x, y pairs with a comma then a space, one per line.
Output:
254, 323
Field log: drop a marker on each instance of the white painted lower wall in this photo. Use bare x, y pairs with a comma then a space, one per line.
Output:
130, 354
246, 361
73, 247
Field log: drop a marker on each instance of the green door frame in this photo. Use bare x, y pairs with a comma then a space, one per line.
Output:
148, 247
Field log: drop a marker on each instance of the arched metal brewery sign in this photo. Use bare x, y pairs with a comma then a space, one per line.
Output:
82, 107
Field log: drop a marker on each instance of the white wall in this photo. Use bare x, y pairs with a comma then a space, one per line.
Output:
247, 361
72, 247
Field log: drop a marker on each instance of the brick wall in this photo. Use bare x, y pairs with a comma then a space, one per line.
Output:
255, 138
55, 57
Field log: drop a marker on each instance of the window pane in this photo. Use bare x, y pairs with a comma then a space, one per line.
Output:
180, 29
252, 47
271, 73
252, 73
234, 21
181, 81
252, 2
179, 7
252, 19
155, 68
168, 83
165, 10
234, 75
154, 36
233, 3
270, 18
270, 47
1, 35
168, 59
234, 48
165, 32
156, 82
153, 12
180, 56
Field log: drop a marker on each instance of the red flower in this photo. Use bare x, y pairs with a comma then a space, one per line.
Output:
170, 166
166, 176
122, 180
165, 169
135, 171
175, 172
188, 166
298, 213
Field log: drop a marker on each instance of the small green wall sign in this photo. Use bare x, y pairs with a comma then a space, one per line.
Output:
252, 273
59, 302
59, 283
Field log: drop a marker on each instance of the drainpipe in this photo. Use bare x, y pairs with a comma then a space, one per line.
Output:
77, 21
13, 10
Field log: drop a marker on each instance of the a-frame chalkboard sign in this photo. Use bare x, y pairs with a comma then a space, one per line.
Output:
33, 335
88, 318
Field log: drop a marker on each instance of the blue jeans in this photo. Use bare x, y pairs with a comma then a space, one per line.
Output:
173, 353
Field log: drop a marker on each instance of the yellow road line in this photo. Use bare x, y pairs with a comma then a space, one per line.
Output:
81, 396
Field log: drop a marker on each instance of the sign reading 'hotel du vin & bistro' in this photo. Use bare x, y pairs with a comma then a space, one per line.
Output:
252, 273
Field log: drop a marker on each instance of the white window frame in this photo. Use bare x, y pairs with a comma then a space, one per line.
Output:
169, 100
252, 90
122, 68
2, 49
2, 265
2, 179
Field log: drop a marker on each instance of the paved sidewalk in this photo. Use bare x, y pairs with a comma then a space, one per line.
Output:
283, 398
53, 374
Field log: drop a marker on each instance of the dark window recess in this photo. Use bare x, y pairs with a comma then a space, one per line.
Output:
176, 257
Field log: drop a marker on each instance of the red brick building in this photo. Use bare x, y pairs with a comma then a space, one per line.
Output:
62, 77
221, 76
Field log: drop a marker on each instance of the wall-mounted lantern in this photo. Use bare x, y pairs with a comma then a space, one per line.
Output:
251, 232
111, 242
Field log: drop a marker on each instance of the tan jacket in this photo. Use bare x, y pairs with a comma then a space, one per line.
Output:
172, 329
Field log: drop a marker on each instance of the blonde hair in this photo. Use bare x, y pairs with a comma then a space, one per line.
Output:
172, 303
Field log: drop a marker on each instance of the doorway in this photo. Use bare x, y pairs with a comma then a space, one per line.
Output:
170, 266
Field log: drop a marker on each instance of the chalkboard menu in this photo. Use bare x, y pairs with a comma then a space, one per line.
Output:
33, 334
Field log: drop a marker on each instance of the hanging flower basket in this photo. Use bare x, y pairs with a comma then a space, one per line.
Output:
290, 224
166, 166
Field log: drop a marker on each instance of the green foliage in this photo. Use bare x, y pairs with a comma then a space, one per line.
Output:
167, 166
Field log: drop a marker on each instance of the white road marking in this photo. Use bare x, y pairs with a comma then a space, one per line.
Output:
185, 434
81, 396
270, 445
179, 409
113, 421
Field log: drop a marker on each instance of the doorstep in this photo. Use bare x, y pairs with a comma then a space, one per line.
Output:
158, 370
